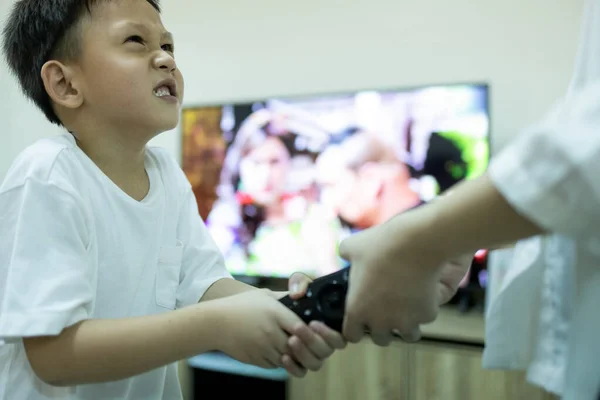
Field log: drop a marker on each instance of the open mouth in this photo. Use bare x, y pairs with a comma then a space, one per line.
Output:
166, 89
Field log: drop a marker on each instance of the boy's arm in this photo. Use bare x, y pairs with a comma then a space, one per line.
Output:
112, 349
225, 287
98, 350
52, 313
50, 293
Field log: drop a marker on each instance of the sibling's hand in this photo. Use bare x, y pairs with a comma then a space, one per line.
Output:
310, 345
397, 282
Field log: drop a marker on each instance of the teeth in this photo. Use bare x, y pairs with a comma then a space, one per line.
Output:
162, 91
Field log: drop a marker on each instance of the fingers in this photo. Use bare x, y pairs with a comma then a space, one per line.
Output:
382, 337
305, 348
292, 367
267, 363
309, 348
303, 355
464, 260
274, 294
410, 337
353, 330
270, 358
298, 285
333, 338
278, 337
312, 344
273, 352
380, 334
280, 344
345, 248
287, 319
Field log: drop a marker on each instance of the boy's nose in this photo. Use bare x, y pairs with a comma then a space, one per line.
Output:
166, 62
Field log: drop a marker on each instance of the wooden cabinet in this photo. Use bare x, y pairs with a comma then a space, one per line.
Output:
446, 372
434, 369
424, 371
361, 371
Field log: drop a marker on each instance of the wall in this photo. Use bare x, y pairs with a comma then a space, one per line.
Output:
232, 49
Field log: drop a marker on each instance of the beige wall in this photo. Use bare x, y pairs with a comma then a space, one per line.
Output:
238, 49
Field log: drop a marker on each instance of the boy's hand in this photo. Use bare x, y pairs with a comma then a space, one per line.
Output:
253, 327
309, 345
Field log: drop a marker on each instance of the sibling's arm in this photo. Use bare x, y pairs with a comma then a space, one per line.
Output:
446, 206
545, 181
454, 223
112, 349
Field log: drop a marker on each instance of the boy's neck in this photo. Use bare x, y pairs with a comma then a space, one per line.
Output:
122, 161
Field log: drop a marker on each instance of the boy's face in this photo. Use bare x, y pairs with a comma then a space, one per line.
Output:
127, 69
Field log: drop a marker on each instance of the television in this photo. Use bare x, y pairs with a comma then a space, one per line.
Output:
280, 181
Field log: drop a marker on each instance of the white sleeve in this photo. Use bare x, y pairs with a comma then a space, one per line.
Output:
203, 263
46, 282
551, 173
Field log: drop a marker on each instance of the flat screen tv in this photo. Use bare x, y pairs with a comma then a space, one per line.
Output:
280, 181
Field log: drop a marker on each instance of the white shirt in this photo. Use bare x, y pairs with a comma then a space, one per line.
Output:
545, 318
74, 246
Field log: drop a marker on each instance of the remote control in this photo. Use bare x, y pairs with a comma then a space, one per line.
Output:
325, 300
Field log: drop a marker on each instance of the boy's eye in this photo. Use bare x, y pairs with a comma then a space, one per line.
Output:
135, 39
168, 47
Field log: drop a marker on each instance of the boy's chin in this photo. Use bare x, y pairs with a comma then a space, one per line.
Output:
164, 123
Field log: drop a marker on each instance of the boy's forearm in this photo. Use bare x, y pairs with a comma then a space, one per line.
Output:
225, 287
108, 350
229, 287
473, 217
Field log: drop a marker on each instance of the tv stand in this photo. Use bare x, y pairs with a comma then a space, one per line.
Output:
217, 370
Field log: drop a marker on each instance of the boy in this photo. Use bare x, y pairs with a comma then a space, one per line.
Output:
107, 273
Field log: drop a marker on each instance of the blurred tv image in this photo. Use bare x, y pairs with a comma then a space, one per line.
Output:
281, 181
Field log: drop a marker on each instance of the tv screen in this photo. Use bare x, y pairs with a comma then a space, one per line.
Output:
280, 181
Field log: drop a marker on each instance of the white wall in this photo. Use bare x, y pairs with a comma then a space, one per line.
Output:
238, 49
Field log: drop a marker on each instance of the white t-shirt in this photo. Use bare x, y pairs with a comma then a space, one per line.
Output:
545, 317
74, 246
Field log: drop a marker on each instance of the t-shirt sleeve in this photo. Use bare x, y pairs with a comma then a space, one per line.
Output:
46, 281
203, 263
550, 173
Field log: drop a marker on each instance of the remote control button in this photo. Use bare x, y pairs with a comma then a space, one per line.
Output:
335, 300
309, 293
307, 312
332, 300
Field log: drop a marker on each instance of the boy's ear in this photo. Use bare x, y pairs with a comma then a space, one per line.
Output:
60, 84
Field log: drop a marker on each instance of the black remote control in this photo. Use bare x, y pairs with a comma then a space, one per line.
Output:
325, 300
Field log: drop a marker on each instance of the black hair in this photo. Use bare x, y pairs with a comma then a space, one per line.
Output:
39, 30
